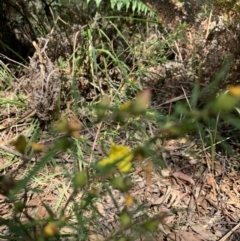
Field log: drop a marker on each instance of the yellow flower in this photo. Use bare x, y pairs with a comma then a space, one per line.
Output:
129, 200
234, 90
121, 156
51, 229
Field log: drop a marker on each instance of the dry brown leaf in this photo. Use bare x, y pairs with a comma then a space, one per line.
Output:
175, 197
203, 203
96, 237
211, 197
2, 162
165, 172
169, 219
100, 209
170, 144
206, 234
163, 198
218, 168
235, 187
184, 177
41, 212
173, 236
211, 182
186, 236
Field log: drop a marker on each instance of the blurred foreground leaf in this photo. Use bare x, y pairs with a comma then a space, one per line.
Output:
20, 144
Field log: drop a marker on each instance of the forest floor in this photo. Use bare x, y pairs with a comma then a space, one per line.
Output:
193, 185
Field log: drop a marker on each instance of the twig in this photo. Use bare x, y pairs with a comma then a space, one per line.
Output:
41, 59
11, 151
208, 24
175, 99
28, 158
15, 62
29, 114
74, 53
95, 141
179, 52
229, 233
186, 97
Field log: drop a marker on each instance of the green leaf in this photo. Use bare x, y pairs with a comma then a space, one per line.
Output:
63, 143
125, 219
21, 144
119, 5
98, 2
134, 5
6, 184
102, 107
113, 3
150, 225
80, 179
225, 102
18, 207
121, 183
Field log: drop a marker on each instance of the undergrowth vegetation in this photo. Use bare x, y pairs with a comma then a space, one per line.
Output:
107, 84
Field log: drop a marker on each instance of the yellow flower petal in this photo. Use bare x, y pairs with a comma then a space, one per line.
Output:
105, 162
129, 200
119, 155
51, 229
124, 166
234, 90
38, 147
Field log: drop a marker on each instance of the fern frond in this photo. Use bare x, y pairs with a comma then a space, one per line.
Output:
135, 5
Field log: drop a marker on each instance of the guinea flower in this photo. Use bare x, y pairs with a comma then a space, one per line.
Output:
119, 155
